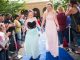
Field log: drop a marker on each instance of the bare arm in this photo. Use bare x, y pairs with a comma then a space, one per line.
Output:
69, 11
43, 20
26, 28
2, 47
56, 21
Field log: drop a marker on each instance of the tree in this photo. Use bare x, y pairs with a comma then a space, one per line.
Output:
9, 7
56, 3
60, 2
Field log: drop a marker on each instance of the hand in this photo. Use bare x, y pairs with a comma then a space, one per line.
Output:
42, 30
6, 47
13, 24
58, 28
2, 47
10, 25
8, 34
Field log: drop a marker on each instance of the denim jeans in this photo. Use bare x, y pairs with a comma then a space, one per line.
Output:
18, 37
78, 40
62, 34
2, 55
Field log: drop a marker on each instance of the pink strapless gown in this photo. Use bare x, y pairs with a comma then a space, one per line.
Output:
52, 35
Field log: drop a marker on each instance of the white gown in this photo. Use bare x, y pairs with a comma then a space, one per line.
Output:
31, 44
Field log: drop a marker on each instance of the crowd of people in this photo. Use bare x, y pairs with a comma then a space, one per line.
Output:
62, 28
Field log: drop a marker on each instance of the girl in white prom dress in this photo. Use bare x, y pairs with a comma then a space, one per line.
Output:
31, 44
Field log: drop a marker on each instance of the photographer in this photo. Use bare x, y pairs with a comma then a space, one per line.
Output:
10, 27
3, 40
74, 13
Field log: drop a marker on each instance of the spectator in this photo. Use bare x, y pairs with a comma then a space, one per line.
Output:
22, 21
9, 30
18, 30
3, 44
75, 19
61, 17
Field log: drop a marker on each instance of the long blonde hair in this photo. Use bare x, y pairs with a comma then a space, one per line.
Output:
49, 3
60, 8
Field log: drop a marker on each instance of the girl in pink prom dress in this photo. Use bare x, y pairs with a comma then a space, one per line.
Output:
51, 33
51, 30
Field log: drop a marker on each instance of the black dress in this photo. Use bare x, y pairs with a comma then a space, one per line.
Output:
31, 25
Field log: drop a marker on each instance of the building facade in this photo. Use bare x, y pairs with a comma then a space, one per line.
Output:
39, 6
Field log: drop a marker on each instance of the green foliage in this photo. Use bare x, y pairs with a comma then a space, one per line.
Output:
63, 3
78, 1
9, 7
56, 5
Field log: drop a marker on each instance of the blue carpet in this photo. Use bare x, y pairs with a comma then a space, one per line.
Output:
63, 55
